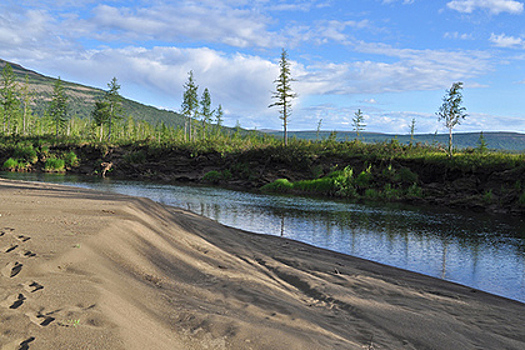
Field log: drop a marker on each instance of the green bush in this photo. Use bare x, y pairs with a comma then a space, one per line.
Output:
215, 176
364, 179
279, 185
54, 165
11, 164
414, 191
25, 152
406, 176
70, 159
372, 194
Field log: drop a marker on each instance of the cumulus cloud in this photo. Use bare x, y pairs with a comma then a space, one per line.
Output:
493, 6
505, 41
182, 22
412, 70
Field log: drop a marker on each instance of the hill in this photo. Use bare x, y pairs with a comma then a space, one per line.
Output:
82, 98
495, 140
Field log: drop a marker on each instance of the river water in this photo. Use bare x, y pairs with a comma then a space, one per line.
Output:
478, 250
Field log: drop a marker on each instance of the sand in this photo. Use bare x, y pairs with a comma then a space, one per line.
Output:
87, 270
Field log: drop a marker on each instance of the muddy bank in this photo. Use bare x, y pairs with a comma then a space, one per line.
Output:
497, 188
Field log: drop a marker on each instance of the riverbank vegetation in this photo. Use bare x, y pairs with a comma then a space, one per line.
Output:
200, 150
476, 178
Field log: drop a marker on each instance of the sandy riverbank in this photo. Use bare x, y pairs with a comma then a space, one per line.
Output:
88, 270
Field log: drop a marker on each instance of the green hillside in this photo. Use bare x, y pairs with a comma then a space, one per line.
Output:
82, 98
494, 140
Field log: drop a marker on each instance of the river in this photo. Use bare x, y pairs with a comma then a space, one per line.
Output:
486, 252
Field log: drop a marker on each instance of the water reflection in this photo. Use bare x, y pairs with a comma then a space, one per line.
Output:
484, 252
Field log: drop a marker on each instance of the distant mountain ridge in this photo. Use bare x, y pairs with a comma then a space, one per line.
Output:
509, 141
82, 98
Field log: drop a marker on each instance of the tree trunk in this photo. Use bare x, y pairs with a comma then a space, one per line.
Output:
450, 142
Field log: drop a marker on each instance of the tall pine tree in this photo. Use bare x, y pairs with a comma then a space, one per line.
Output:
190, 104
8, 97
58, 106
283, 93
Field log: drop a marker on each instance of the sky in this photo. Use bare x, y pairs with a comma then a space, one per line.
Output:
392, 59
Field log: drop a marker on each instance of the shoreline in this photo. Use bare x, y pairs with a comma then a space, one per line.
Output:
123, 272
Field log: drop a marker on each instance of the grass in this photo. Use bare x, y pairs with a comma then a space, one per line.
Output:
54, 165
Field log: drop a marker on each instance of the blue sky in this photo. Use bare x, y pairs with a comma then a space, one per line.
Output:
393, 59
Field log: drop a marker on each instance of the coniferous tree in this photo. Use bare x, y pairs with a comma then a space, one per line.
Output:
190, 104
359, 123
284, 93
451, 112
206, 111
27, 97
412, 130
100, 115
9, 99
219, 115
58, 107
114, 101
108, 110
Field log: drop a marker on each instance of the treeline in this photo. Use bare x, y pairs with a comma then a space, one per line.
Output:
107, 121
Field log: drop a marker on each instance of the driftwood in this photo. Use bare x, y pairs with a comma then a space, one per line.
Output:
106, 166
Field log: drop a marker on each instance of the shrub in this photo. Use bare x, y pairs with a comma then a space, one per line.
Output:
212, 176
364, 178
414, 191
407, 176
25, 152
372, 194
279, 185
11, 164
71, 159
54, 165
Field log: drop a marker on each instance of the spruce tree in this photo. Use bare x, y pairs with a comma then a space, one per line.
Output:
206, 111
9, 97
284, 93
359, 123
190, 104
114, 102
58, 106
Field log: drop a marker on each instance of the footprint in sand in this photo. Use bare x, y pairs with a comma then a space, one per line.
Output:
27, 254
40, 319
33, 286
23, 238
13, 302
11, 248
25, 344
12, 269
5, 230
19, 300
19, 344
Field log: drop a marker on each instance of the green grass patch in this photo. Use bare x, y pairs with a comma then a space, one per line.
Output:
54, 165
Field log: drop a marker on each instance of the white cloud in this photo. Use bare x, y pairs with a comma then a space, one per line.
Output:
405, 2
412, 70
458, 36
493, 6
505, 41
183, 21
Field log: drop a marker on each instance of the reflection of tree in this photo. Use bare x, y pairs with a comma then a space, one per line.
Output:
444, 259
